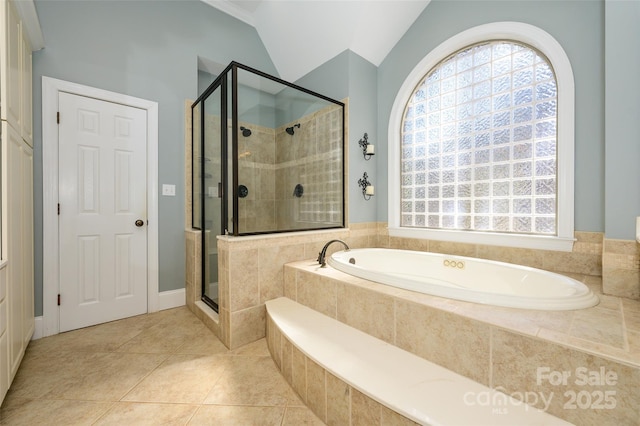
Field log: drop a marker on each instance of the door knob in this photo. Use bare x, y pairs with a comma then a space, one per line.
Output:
139, 223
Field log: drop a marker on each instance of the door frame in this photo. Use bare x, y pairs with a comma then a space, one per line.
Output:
50, 238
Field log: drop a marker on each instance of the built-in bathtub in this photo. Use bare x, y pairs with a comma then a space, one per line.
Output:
347, 377
468, 279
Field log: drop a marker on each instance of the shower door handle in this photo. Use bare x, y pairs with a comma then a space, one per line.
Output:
219, 189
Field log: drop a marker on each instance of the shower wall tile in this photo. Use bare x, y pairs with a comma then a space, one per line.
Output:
621, 268
284, 152
247, 177
246, 215
259, 147
306, 140
265, 215
316, 164
256, 172
281, 183
265, 183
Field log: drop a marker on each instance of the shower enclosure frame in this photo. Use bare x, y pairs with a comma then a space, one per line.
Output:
222, 82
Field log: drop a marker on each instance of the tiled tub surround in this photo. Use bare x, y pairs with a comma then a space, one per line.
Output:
621, 268
348, 377
251, 268
521, 352
251, 272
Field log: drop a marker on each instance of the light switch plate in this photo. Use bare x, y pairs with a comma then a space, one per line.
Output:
168, 190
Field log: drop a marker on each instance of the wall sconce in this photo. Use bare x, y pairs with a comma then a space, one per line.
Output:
367, 188
367, 149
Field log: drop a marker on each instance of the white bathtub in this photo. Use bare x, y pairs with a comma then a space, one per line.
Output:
464, 278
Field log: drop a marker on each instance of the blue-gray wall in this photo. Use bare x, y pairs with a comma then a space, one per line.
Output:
149, 50
204, 81
350, 75
146, 49
578, 27
622, 118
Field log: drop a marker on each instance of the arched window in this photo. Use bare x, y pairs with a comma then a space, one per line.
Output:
482, 144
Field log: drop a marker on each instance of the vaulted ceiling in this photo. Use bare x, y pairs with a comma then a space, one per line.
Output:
301, 35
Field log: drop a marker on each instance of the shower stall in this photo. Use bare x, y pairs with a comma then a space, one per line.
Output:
268, 157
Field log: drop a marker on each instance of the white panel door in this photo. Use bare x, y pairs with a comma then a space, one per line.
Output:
103, 212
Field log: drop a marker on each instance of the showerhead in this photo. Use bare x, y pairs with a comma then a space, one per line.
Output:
245, 132
290, 129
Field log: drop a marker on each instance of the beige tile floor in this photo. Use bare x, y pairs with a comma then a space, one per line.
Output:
162, 368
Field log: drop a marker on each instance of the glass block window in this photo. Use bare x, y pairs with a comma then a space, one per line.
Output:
478, 143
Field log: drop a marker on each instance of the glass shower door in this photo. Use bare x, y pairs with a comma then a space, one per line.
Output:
212, 188
268, 157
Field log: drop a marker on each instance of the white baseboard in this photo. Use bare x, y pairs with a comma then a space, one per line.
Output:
166, 300
38, 332
171, 299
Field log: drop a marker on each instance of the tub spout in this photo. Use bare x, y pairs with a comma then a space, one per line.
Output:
323, 253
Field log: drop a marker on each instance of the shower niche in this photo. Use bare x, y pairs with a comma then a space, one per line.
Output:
268, 157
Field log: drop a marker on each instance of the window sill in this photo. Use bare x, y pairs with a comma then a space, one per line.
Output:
538, 242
